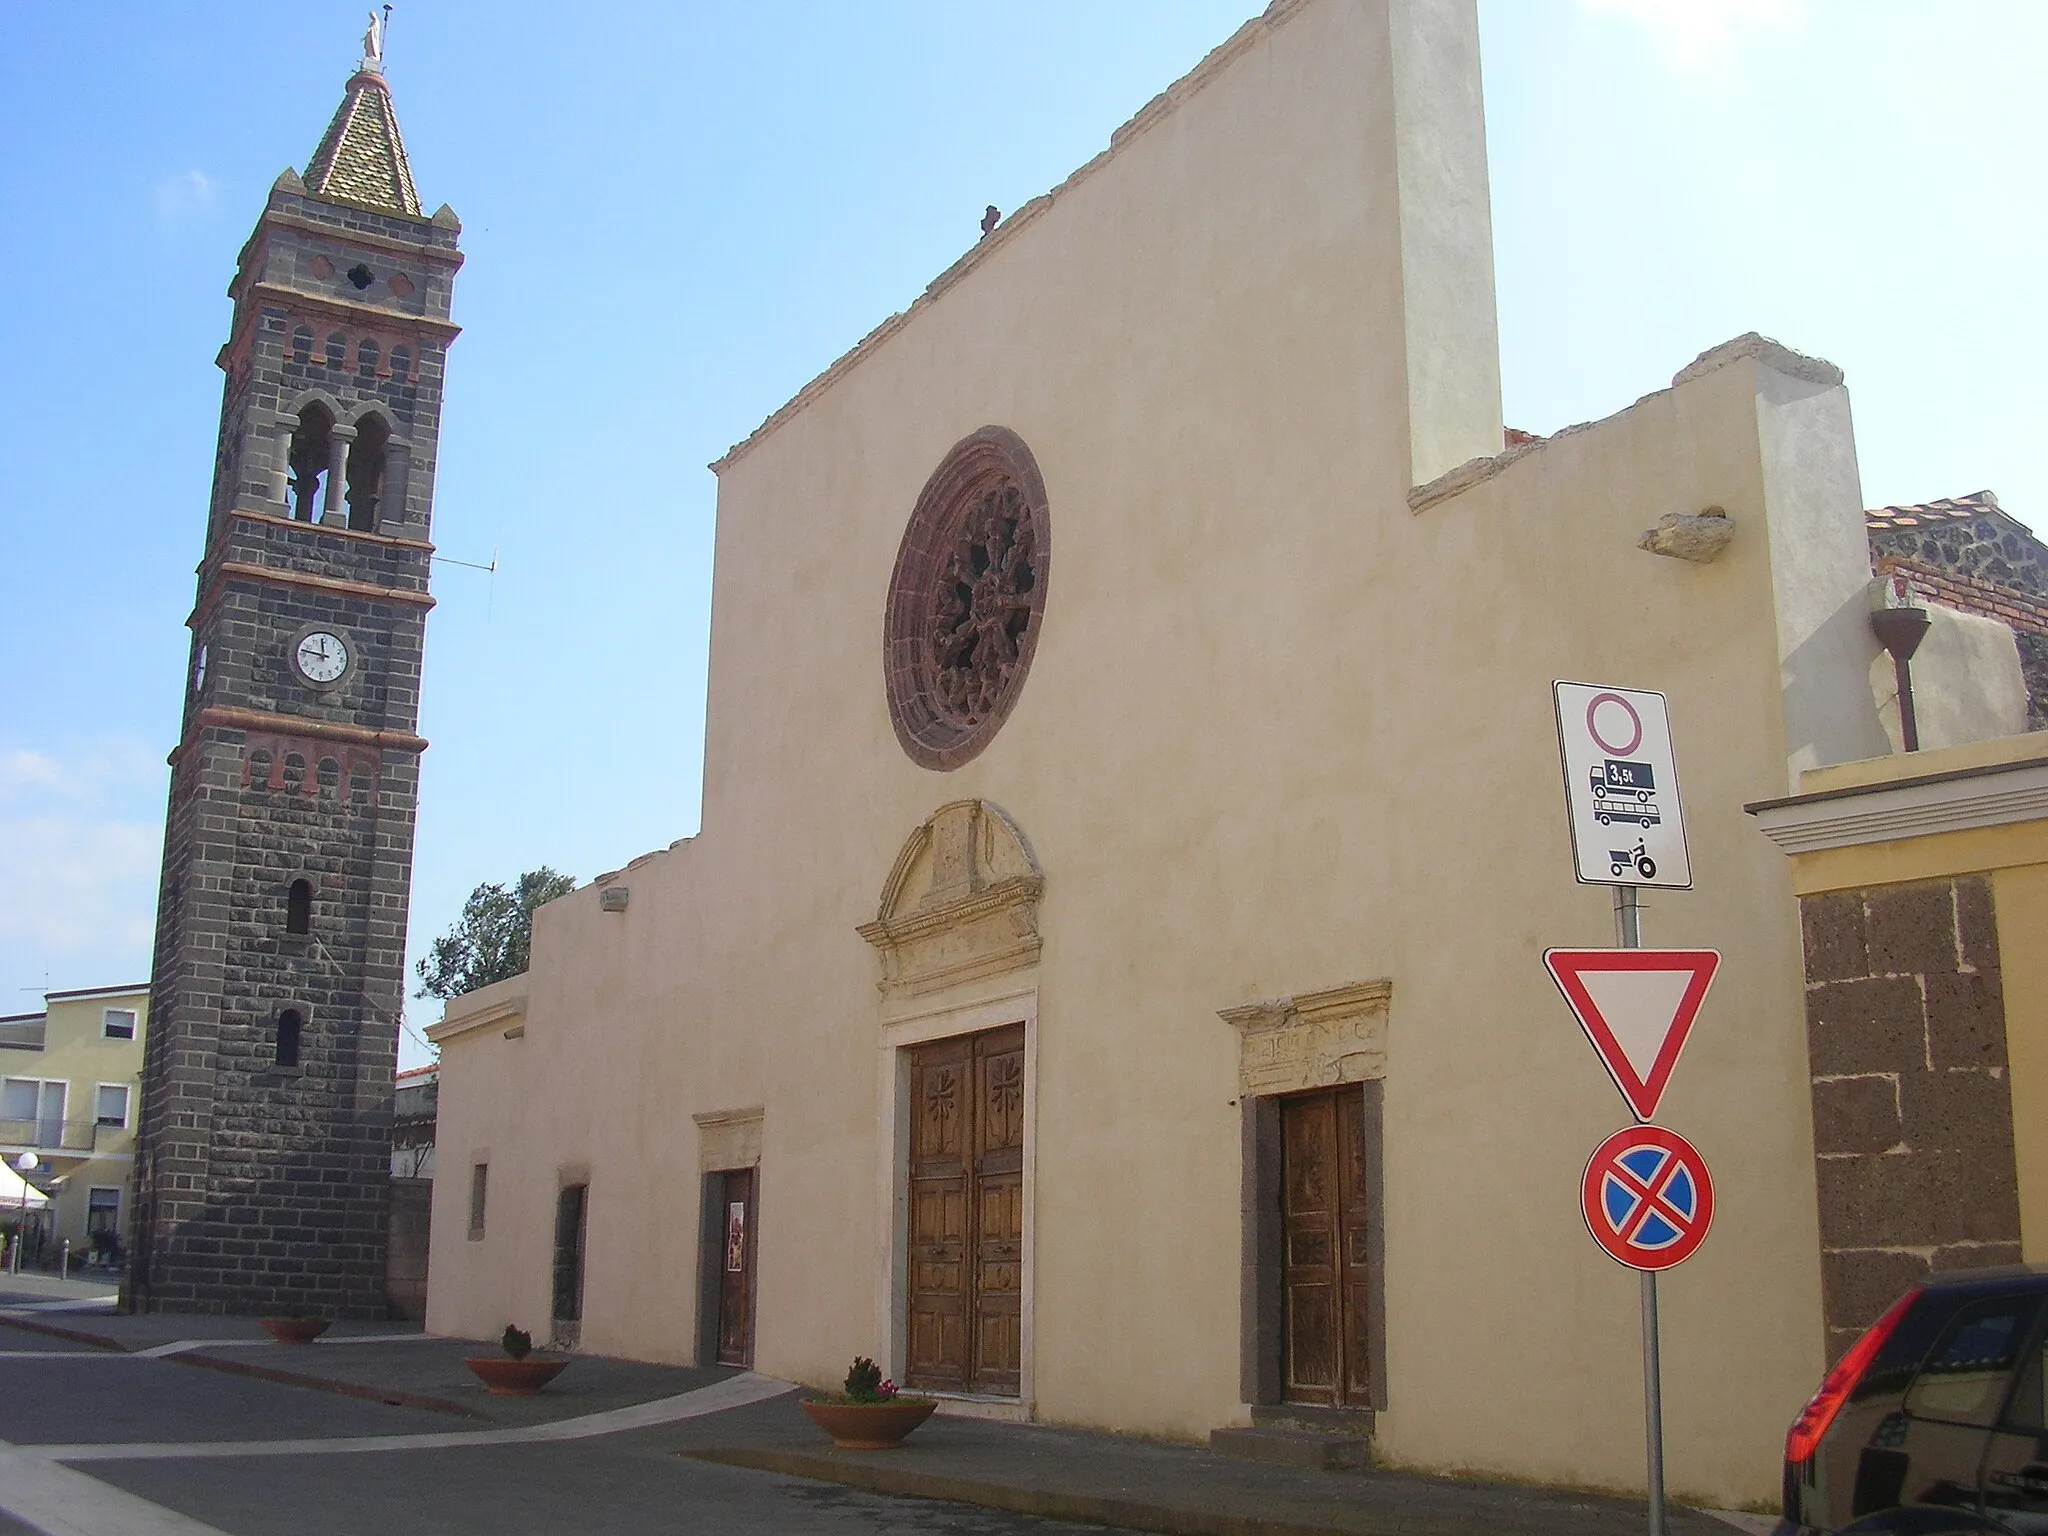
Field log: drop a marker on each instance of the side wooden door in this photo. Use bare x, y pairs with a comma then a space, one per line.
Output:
1325, 1220
966, 1237
736, 1271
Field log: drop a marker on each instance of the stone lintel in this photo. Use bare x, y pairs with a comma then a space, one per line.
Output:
1312, 1040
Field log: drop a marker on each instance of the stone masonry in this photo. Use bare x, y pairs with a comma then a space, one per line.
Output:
262, 1181
1912, 1107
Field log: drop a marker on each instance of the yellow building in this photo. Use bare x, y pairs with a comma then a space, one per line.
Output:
69, 1081
1108, 989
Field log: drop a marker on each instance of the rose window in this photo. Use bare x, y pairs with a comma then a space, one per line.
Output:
966, 599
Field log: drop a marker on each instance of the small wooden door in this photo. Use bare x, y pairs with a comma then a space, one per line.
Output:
1325, 1194
966, 1239
736, 1270
572, 1208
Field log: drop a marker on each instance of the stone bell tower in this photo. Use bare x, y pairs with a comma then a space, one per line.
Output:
264, 1163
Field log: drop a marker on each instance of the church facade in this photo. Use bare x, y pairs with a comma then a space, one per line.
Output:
1107, 985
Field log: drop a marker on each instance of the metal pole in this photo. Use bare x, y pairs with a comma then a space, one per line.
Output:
1628, 934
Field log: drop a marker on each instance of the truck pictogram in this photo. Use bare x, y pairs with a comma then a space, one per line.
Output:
1625, 791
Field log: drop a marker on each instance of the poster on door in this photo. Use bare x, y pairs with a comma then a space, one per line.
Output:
735, 1237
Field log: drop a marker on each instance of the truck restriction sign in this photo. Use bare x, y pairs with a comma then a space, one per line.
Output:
1621, 786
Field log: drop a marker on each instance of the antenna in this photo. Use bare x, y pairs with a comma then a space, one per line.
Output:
470, 565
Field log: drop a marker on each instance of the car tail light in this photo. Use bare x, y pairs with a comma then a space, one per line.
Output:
1813, 1421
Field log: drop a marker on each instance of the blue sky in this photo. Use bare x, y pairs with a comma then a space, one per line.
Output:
676, 214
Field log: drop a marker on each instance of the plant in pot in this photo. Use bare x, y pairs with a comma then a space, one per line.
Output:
519, 1372
870, 1414
301, 1327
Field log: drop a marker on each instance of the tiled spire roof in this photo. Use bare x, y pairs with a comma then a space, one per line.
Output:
361, 158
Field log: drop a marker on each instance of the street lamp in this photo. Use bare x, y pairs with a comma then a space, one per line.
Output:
25, 1164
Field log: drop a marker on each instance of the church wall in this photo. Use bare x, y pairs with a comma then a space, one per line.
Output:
1280, 733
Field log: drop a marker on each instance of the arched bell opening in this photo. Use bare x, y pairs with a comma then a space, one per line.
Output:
311, 451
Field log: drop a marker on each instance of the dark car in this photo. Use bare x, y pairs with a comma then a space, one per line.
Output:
1933, 1421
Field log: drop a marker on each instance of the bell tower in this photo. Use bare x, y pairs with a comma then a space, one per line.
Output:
265, 1154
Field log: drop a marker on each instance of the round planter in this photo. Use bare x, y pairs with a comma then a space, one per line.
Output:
294, 1330
869, 1426
516, 1378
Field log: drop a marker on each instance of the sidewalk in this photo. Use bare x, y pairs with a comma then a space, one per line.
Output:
1028, 1469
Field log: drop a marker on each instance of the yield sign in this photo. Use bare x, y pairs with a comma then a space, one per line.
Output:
1637, 1007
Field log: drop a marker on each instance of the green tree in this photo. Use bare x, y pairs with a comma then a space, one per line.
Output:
493, 938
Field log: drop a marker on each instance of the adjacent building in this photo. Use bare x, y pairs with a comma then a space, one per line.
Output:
70, 1078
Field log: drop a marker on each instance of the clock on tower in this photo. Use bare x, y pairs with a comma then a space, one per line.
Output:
265, 1153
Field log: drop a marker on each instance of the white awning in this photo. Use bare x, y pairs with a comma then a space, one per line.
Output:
11, 1186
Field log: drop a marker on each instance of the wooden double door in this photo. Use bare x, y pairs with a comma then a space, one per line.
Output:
1327, 1217
966, 1233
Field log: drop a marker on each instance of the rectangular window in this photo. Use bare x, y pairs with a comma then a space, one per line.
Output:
103, 1213
33, 1111
118, 1023
18, 1098
110, 1105
479, 1178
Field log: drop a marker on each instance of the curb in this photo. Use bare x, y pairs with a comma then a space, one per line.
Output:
68, 1335
1128, 1514
388, 1396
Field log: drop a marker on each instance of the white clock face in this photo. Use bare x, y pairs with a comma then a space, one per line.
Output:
322, 656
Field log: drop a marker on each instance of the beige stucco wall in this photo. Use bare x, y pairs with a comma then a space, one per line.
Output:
1280, 733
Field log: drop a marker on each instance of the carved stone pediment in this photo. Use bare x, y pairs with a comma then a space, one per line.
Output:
1313, 1040
961, 903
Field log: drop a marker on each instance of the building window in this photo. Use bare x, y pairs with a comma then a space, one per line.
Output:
289, 1024
298, 907
102, 1214
32, 1112
479, 1181
965, 600
110, 1105
118, 1023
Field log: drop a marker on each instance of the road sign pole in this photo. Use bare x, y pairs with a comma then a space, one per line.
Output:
1628, 934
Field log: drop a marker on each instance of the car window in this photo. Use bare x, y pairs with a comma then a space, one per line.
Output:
1963, 1378
2025, 1411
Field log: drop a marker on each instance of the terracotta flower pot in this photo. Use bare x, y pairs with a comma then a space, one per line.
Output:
294, 1330
869, 1426
516, 1378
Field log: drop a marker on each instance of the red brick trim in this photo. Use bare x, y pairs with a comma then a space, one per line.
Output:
226, 718
236, 570
297, 300
1972, 594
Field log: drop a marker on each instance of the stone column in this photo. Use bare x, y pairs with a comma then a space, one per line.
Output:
281, 465
391, 514
334, 510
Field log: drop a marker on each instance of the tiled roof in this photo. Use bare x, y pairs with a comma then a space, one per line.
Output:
1948, 510
361, 158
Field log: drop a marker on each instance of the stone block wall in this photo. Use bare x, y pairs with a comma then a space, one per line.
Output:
1912, 1105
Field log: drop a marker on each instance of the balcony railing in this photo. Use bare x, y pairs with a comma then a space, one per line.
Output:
58, 1135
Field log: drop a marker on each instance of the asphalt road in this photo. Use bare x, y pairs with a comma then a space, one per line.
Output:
108, 1407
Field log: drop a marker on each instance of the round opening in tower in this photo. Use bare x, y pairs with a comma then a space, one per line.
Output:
966, 599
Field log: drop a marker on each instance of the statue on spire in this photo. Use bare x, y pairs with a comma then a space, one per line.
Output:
373, 41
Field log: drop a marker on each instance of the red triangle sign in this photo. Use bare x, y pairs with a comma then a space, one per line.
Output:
1637, 1007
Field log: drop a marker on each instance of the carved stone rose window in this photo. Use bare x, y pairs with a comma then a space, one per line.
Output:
966, 599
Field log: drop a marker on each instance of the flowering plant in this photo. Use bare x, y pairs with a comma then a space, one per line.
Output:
865, 1384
